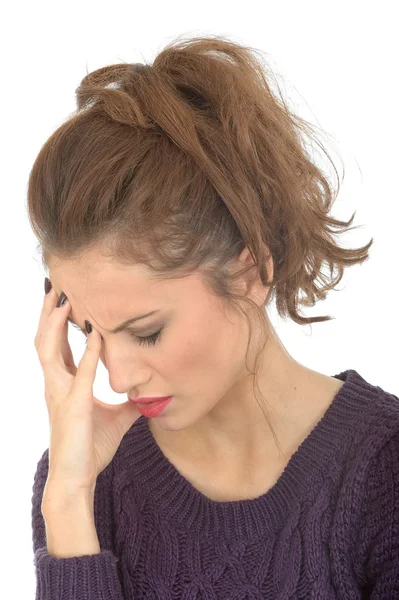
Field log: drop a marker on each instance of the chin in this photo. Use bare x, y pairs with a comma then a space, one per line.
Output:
167, 423
176, 421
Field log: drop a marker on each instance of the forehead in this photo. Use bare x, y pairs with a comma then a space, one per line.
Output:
112, 290
93, 278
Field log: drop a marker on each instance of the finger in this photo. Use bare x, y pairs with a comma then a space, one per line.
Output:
51, 341
49, 303
66, 351
84, 379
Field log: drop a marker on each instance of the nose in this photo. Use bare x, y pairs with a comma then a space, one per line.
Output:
124, 374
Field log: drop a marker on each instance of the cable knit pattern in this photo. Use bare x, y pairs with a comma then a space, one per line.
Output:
327, 530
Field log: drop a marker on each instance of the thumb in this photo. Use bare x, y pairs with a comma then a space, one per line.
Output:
127, 414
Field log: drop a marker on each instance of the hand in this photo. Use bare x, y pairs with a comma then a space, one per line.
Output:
85, 433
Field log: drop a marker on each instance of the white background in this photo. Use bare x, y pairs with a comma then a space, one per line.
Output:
338, 64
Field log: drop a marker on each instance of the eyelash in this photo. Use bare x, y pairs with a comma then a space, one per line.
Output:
150, 340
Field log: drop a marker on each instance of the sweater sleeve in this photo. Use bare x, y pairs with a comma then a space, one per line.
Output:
382, 524
89, 577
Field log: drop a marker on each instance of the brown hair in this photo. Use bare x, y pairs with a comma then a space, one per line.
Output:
180, 165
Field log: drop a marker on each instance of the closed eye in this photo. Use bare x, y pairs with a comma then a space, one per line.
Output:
149, 340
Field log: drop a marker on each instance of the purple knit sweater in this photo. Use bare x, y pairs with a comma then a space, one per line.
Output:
328, 529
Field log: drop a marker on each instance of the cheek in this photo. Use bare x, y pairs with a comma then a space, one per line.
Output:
187, 351
207, 348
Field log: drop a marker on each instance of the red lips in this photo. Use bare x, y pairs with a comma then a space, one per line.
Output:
149, 400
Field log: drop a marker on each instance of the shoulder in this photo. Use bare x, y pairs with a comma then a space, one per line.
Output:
367, 512
378, 532
369, 414
373, 465
376, 435
366, 446
382, 484
383, 427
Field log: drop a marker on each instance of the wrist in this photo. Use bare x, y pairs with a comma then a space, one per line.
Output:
62, 499
71, 532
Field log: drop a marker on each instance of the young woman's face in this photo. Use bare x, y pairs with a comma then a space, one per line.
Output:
196, 351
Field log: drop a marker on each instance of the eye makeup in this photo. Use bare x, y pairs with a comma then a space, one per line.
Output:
149, 340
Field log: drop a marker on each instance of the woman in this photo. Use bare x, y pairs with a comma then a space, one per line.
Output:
184, 190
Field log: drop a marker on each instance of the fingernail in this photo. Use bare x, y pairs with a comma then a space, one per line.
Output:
61, 300
88, 326
47, 285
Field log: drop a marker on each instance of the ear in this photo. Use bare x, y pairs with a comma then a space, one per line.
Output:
253, 286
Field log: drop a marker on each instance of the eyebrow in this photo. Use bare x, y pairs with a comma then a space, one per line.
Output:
123, 325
